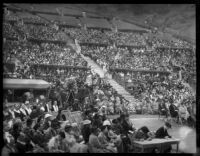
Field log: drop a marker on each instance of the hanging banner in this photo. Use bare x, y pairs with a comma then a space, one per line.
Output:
73, 117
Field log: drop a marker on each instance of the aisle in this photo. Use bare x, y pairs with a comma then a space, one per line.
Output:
120, 90
96, 68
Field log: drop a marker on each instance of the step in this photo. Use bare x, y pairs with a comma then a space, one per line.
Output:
120, 89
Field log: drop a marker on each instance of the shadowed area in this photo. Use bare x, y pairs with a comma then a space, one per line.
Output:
175, 18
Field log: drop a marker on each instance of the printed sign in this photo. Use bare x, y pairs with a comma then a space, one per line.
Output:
73, 116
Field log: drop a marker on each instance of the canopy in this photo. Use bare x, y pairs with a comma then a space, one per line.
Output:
24, 84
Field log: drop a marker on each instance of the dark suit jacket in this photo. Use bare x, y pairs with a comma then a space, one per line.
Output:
126, 127
19, 115
86, 133
172, 109
46, 110
162, 133
162, 106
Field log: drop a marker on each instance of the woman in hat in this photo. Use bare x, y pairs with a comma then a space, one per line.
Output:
9, 144
77, 133
183, 113
86, 130
95, 145
56, 143
71, 143
103, 138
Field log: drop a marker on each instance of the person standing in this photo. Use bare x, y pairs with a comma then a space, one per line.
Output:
86, 130
55, 107
27, 108
173, 111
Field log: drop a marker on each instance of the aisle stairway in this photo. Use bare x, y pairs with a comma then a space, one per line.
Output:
97, 69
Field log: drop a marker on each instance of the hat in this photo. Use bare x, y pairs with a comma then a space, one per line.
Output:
64, 123
17, 105
74, 124
168, 125
86, 122
106, 123
100, 114
97, 99
76, 100
47, 115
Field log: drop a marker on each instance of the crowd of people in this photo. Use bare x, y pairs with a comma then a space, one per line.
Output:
30, 126
23, 54
160, 59
33, 128
111, 56
157, 42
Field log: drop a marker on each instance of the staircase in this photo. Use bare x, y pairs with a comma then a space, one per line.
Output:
120, 90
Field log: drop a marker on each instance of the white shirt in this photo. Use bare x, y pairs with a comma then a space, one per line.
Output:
13, 114
28, 110
55, 108
23, 111
47, 107
17, 111
89, 80
42, 108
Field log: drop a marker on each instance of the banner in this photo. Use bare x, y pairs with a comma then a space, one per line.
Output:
73, 117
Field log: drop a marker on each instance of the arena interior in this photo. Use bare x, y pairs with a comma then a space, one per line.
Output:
99, 78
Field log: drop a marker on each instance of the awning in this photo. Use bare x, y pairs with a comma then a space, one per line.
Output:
24, 84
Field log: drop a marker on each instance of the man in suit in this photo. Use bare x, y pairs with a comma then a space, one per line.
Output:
27, 108
55, 107
47, 107
162, 133
173, 111
17, 112
162, 108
